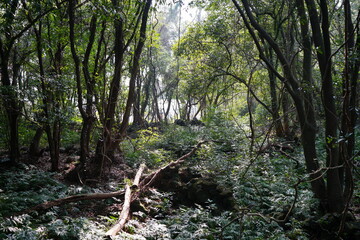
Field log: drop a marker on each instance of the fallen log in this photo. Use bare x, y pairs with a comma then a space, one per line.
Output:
74, 198
124, 215
79, 197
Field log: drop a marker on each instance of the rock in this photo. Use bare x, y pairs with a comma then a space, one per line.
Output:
186, 174
180, 122
204, 190
72, 149
196, 122
190, 188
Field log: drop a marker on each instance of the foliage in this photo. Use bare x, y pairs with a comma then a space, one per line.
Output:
263, 188
143, 149
71, 136
27, 187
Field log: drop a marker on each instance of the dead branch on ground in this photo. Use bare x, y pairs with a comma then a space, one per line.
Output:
124, 215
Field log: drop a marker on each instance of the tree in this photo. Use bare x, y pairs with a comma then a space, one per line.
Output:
330, 194
110, 139
15, 25
86, 77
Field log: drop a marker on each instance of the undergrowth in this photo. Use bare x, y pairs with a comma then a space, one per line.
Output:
264, 187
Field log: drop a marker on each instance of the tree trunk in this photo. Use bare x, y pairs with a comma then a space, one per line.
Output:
321, 37
349, 116
52, 129
146, 97
274, 105
104, 144
13, 118
138, 120
34, 150
285, 109
292, 85
273, 96
135, 69
86, 112
9, 96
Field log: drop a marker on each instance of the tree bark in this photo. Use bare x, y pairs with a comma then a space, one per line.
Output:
86, 112
52, 129
104, 144
349, 116
274, 102
10, 101
34, 150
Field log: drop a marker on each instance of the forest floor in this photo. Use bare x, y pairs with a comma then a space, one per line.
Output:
222, 192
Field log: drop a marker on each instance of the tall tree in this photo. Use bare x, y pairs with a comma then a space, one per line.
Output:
331, 194
293, 86
15, 25
110, 138
83, 66
350, 104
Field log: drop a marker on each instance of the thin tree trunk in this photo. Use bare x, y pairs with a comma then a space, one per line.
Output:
138, 120
274, 102
135, 69
103, 148
9, 96
292, 85
351, 73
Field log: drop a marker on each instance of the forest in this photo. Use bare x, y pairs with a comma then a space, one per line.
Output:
179, 119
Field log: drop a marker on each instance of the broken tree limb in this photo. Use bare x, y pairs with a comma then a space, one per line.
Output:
143, 186
74, 198
138, 175
124, 215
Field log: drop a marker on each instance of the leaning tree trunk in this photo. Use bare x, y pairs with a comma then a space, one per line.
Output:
86, 112
309, 127
51, 129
